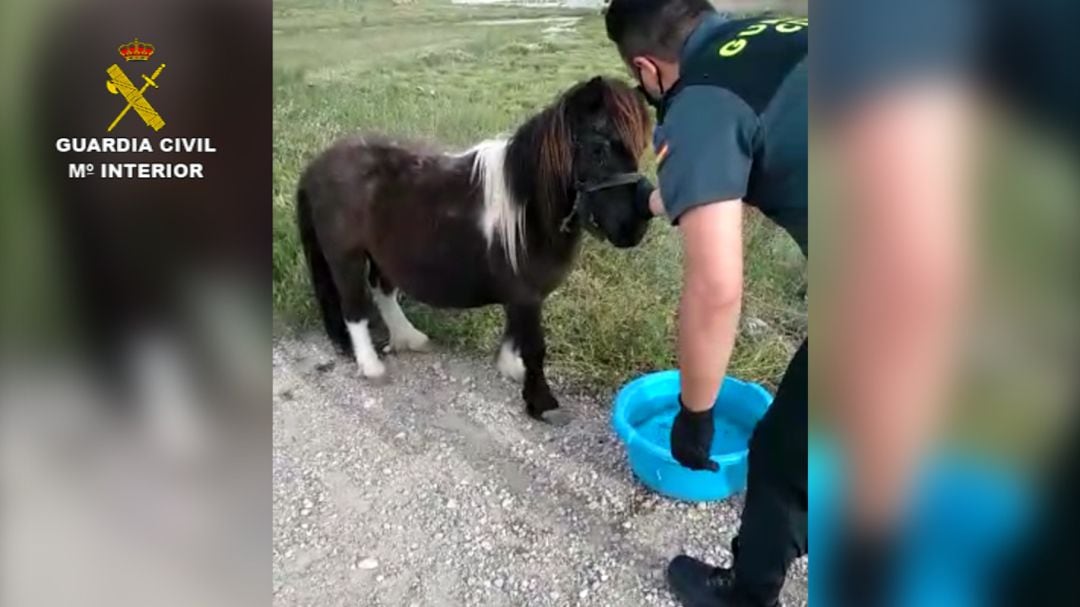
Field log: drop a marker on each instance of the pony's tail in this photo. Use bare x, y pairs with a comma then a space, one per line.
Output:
322, 281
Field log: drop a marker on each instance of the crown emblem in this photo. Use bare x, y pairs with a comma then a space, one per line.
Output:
136, 50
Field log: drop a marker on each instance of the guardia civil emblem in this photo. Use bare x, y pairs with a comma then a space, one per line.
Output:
119, 84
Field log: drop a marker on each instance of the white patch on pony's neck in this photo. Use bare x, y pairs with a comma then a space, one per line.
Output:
501, 216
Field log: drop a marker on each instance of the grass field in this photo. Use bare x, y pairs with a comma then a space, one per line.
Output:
455, 74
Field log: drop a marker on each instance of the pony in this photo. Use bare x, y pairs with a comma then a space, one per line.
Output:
500, 223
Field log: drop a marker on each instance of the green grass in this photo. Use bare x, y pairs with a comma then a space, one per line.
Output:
427, 70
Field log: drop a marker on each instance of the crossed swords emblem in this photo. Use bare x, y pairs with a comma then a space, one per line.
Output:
119, 83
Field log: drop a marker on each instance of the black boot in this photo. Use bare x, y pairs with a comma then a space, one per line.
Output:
698, 584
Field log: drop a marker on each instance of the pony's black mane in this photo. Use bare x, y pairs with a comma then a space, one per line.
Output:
539, 163
540, 188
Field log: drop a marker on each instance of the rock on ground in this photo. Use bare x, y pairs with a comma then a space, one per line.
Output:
436, 489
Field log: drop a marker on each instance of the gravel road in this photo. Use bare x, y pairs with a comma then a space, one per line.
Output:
436, 490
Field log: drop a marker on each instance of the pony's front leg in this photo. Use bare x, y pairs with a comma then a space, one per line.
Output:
526, 334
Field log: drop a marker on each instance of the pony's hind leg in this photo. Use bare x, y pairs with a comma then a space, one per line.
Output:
403, 335
357, 308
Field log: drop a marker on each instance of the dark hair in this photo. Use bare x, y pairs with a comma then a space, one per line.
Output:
653, 27
541, 151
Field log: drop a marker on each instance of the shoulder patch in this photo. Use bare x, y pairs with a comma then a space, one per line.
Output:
662, 153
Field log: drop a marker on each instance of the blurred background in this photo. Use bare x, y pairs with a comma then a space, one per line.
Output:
1010, 391
135, 314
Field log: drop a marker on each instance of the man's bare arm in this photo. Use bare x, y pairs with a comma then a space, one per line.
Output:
711, 299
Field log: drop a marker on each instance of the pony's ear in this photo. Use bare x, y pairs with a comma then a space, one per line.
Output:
591, 96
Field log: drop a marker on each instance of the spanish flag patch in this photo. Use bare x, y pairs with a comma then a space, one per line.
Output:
661, 153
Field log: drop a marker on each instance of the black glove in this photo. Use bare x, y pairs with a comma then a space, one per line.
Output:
691, 438
644, 191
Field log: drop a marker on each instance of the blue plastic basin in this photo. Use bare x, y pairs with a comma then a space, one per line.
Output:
643, 413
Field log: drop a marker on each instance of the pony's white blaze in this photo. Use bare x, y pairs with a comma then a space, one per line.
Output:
501, 217
509, 363
367, 360
403, 335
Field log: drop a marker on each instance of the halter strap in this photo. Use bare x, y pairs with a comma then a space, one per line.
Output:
616, 180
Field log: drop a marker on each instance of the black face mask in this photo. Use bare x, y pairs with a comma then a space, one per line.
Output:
652, 101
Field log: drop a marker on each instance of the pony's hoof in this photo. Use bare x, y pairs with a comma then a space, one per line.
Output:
374, 372
556, 417
413, 342
419, 343
544, 407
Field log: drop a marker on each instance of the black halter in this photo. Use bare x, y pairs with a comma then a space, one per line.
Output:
583, 189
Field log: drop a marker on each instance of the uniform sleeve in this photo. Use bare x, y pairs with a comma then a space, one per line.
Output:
705, 149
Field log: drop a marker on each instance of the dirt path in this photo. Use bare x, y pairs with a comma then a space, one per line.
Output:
437, 490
